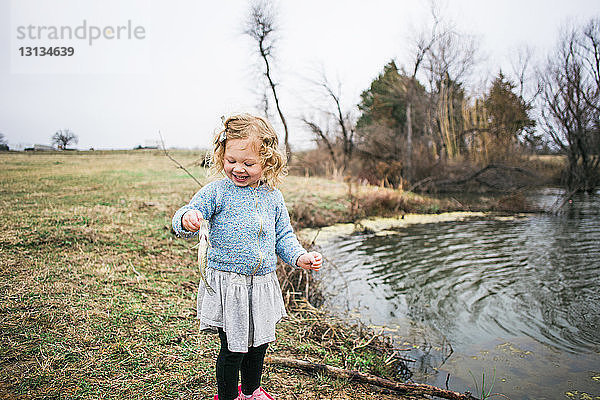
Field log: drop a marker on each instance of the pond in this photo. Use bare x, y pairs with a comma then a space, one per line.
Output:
516, 299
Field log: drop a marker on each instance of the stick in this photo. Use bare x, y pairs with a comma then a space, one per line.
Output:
175, 161
368, 342
480, 172
413, 388
314, 239
419, 183
555, 209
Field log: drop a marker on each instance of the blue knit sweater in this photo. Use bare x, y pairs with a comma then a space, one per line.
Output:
249, 227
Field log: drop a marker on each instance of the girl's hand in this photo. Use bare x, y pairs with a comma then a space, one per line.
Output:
312, 260
191, 220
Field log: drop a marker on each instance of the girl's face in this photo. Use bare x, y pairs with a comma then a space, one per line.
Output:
241, 162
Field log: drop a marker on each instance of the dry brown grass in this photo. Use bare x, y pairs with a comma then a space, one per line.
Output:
380, 201
549, 167
318, 202
97, 298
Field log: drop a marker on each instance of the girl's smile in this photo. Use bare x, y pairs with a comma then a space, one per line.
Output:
242, 162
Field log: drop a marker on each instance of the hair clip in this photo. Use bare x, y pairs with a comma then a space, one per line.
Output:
223, 135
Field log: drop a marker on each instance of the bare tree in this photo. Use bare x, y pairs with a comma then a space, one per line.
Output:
343, 121
452, 54
449, 60
571, 103
63, 138
261, 27
590, 44
423, 43
323, 137
522, 73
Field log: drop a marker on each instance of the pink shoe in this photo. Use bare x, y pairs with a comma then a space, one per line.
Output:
261, 394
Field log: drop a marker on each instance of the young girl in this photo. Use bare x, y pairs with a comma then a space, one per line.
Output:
249, 227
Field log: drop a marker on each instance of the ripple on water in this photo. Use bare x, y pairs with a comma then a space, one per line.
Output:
534, 276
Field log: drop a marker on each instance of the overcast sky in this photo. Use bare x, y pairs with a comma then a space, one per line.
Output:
190, 64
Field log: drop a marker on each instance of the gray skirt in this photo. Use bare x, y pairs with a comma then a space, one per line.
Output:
247, 307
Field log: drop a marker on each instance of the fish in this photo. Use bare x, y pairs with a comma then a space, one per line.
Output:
203, 244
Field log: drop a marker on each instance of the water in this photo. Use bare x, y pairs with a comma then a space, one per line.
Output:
514, 297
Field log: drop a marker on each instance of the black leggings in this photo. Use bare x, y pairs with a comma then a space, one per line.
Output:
230, 364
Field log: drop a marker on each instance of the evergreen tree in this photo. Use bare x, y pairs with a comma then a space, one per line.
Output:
381, 103
509, 119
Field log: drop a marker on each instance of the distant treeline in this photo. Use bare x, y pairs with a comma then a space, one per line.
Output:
418, 121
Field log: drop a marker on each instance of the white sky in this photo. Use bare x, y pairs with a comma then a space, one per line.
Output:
194, 65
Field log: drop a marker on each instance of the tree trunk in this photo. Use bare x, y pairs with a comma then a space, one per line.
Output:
264, 55
409, 168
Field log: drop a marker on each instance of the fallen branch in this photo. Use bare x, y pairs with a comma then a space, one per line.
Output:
419, 183
175, 161
559, 203
475, 175
412, 388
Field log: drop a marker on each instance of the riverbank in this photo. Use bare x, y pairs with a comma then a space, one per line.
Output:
98, 296
318, 202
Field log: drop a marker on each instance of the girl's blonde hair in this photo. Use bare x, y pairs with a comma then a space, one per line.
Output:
245, 126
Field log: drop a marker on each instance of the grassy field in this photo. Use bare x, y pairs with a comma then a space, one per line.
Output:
97, 297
